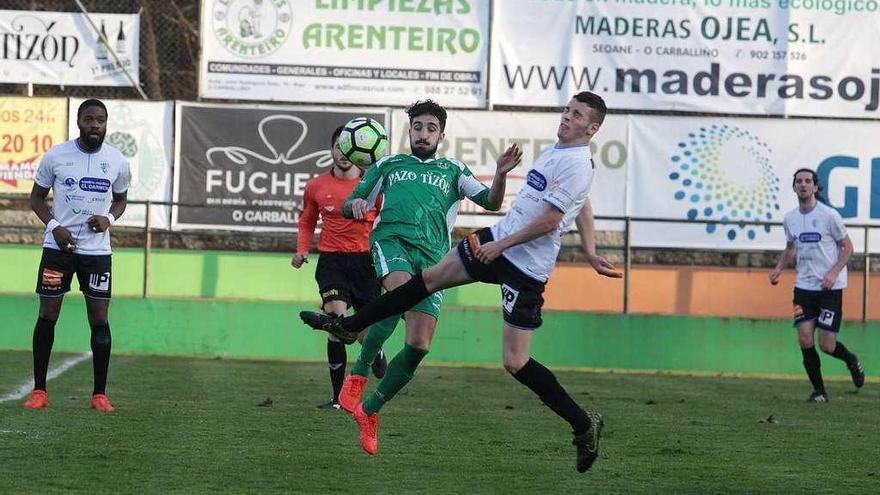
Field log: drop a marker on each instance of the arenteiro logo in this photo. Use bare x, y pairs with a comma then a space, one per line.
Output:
723, 173
252, 28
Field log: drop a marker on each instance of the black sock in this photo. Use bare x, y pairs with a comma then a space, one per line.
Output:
336, 360
542, 382
391, 303
842, 353
100, 356
44, 337
814, 368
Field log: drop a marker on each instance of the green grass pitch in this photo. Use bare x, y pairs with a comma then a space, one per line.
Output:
196, 426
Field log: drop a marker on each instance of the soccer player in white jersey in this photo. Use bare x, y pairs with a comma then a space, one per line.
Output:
816, 234
518, 253
89, 180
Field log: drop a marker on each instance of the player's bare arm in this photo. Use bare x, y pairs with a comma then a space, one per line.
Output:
544, 223
62, 236
784, 260
507, 161
100, 223
587, 229
846, 250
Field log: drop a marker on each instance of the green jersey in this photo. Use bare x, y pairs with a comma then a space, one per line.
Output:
420, 199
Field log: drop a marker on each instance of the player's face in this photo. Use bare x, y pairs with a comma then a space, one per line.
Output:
425, 135
339, 160
804, 186
575, 125
92, 126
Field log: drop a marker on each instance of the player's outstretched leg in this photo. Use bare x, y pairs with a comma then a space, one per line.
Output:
371, 356
586, 426
856, 370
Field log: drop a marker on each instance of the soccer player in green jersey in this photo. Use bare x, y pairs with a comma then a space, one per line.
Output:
421, 195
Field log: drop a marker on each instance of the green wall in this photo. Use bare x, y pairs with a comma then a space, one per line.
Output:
207, 274
464, 336
245, 305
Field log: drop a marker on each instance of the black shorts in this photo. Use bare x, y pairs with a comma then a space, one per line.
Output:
57, 269
347, 277
521, 295
825, 307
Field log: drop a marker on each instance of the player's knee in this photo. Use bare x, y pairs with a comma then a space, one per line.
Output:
827, 347
514, 363
49, 313
101, 334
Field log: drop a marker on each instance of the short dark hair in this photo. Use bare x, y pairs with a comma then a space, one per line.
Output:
595, 102
335, 136
91, 102
429, 107
815, 181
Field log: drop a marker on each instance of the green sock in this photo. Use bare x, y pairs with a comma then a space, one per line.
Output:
377, 334
400, 371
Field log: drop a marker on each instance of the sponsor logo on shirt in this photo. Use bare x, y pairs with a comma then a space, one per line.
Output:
104, 167
94, 184
73, 197
70, 183
809, 237
536, 180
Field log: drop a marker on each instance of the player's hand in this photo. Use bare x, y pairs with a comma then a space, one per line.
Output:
774, 276
98, 223
603, 266
298, 259
359, 208
829, 279
508, 160
489, 252
64, 239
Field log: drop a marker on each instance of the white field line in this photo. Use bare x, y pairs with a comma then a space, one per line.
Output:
26, 387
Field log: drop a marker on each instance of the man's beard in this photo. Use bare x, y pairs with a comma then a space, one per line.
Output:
423, 153
92, 142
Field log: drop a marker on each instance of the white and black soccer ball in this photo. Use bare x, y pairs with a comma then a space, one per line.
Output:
363, 141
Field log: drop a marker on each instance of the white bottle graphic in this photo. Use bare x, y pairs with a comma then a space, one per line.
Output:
101, 49
120, 40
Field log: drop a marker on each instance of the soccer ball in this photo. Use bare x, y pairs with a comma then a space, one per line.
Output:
363, 141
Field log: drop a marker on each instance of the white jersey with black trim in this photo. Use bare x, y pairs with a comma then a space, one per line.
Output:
83, 184
815, 234
562, 177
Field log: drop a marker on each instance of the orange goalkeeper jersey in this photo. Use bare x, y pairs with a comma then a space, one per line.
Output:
323, 197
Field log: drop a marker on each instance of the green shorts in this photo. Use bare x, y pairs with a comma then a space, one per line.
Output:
391, 255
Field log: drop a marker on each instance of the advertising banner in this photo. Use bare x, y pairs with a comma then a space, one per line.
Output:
728, 172
776, 57
28, 127
245, 167
364, 52
142, 131
63, 48
477, 138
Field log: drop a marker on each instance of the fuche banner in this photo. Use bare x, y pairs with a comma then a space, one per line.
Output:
766, 57
246, 167
726, 173
65, 48
362, 52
